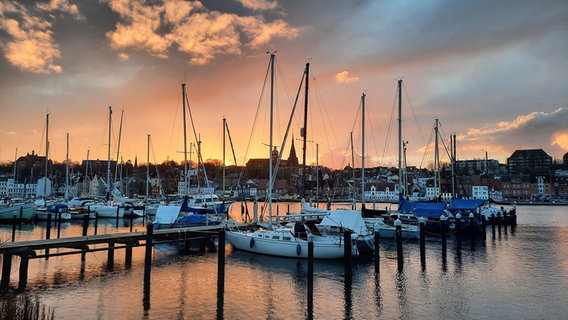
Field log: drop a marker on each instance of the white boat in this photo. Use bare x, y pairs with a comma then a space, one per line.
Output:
11, 208
387, 230
291, 240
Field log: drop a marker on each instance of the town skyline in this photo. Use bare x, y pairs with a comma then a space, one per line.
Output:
493, 74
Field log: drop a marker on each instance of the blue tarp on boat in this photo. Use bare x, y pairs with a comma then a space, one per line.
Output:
465, 204
422, 209
193, 219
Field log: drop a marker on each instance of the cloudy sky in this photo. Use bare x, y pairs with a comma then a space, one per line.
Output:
493, 72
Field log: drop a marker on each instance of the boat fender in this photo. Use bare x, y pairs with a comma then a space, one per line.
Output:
251, 243
299, 249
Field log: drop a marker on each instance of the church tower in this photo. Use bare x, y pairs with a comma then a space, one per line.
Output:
292, 158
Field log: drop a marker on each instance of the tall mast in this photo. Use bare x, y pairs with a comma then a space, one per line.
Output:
304, 132
147, 169
108, 162
352, 166
224, 134
270, 143
400, 137
118, 149
436, 159
46, 154
67, 170
363, 150
184, 141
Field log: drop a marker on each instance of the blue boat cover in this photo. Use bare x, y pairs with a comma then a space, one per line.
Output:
465, 204
193, 219
422, 209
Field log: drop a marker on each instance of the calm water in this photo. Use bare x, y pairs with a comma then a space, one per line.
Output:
514, 275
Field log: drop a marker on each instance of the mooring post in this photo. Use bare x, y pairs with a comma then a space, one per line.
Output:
24, 263
148, 264
6, 270
48, 227
499, 222
221, 274
148, 255
85, 224
347, 254
443, 219
398, 236
21, 215
422, 225
48, 234
110, 256
117, 214
310, 274
59, 225
14, 229
131, 221
96, 222
128, 255
377, 237
459, 229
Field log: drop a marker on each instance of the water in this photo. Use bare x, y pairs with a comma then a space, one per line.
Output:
514, 275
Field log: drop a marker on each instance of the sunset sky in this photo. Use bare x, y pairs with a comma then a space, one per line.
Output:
495, 73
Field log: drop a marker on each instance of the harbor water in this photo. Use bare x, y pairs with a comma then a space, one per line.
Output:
512, 274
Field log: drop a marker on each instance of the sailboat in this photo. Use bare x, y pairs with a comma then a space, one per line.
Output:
45, 210
195, 208
291, 240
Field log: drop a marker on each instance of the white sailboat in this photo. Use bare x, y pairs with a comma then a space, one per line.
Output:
291, 240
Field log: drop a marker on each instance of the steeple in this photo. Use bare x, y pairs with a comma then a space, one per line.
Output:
292, 158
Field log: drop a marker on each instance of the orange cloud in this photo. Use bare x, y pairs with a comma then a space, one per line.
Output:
32, 47
197, 31
259, 4
343, 77
560, 139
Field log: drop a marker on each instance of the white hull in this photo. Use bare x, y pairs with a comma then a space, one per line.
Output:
108, 211
263, 242
42, 215
409, 231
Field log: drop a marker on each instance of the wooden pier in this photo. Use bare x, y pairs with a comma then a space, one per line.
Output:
34, 249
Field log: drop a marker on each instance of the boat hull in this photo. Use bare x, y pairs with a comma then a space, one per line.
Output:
8, 213
293, 248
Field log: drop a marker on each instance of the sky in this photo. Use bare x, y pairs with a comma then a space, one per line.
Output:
493, 73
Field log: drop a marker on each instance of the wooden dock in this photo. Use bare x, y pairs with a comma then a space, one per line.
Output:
34, 249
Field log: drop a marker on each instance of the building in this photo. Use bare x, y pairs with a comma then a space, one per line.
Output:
532, 161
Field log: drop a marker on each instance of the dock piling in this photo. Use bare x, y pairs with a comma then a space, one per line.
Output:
422, 225
398, 236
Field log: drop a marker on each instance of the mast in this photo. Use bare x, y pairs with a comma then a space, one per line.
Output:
147, 169
46, 155
224, 134
436, 159
453, 138
304, 132
317, 173
184, 141
67, 170
118, 150
352, 167
400, 137
270, 143
108, 161
363, 150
